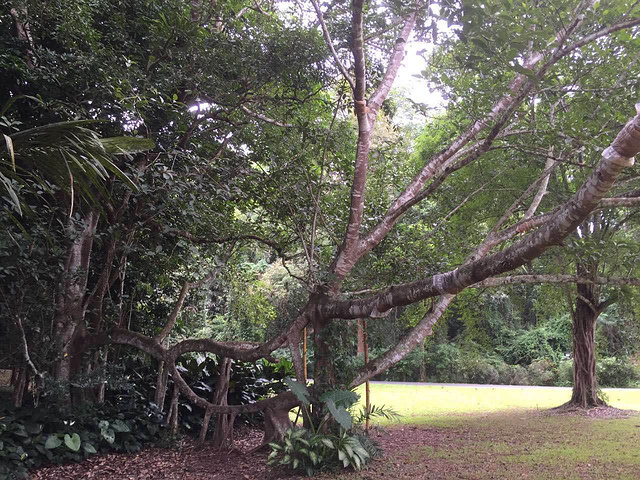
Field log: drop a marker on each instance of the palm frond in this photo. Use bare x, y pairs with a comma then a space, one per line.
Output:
68, 155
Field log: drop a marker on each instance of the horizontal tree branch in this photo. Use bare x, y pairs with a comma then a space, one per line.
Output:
556, 279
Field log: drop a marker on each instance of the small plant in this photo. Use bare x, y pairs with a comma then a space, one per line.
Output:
301, 450
319, 448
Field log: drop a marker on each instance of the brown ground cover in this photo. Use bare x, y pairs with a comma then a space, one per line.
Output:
601, 444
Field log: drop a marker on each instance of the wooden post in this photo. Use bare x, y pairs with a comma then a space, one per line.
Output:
304, 352
367, 393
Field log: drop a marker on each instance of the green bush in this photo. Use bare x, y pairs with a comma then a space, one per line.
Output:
550, 341
564, 376
541, 372
31, 437
616, 372
512, 374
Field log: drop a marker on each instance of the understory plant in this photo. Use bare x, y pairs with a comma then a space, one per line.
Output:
31, 437
334, 441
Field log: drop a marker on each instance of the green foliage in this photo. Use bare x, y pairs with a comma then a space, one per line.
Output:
549, 341
248, 383
31, 437
301, 450
617, 372
319, 448
63, 155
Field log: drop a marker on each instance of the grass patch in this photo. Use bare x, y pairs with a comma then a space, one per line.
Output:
484, 432
425, 403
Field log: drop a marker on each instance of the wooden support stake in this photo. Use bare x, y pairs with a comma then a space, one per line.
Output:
304, 352
367, 393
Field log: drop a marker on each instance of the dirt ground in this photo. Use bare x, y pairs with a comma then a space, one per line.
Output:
495, 446
189, 463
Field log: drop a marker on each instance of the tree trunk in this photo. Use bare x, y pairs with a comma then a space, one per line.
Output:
161, 386
324, 377
70, 308
585, 317
223, 433
172, 417
19, 387
276, 423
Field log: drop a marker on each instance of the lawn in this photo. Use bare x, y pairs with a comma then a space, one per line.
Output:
422, 403
477, 432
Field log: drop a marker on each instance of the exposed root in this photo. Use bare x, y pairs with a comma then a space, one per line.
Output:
599, 411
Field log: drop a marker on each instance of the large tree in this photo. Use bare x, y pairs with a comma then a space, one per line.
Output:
501, 54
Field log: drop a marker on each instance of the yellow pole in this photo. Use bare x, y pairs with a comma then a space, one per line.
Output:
304, 352
367, 393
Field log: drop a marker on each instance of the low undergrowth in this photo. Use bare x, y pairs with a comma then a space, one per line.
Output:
31, 437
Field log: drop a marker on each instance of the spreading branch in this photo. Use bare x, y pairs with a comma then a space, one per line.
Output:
614, 159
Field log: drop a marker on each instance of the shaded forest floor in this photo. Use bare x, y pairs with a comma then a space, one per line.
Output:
533, 444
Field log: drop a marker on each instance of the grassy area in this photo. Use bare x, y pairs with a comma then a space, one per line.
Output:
501, 433
423, 403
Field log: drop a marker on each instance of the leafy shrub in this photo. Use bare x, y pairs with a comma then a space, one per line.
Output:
564, 376
550, 341
512, 374
616, 372
248, 383
32, 437
320, 448
541, 372
475, 368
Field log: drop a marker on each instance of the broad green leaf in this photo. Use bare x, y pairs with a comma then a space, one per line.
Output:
109, 435
327, 442
12, 154
52, 442
349, 450
358, 463
299, 390
119, 426
341, 415
72, 441
89, 448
